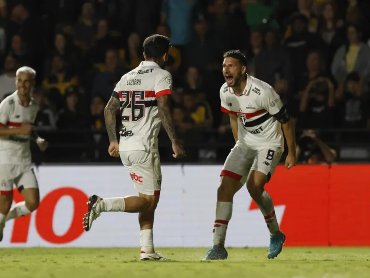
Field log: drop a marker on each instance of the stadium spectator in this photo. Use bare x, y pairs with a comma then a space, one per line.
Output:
59, 79
352, 56
102, 41
17, 114
46, 118
256, 45
300, 42
138, 145
316, 108
273, 61
132, 54
178, 15
311, 149
62, 47
174, 52
202, 50
331, 28
352, 103
97, 126
104, 81
85, 29
20, 50
27, 26
7, 78
72, 122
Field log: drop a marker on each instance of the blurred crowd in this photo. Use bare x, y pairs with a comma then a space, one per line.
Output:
315, 53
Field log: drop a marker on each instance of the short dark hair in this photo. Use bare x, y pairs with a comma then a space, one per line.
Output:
156, 45
237, 54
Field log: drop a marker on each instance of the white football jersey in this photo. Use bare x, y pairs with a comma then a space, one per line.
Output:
137, 92
254, 109
16, 149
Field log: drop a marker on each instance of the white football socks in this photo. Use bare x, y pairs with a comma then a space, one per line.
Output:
111, 204
223, 215
268, 211
146, 241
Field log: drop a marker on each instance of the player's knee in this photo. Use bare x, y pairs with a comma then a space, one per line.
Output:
151, 204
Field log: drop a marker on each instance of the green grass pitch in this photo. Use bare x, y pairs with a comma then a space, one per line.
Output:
186, 262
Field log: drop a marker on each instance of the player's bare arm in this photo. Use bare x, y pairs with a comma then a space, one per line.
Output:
165, 115
289, 134
234, 125
110, 123
23, 129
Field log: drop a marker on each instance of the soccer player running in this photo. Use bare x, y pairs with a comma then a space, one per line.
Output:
17, 113
258, 120
142, 96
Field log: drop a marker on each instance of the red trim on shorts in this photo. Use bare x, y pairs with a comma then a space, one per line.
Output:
216, 225
220, 221
13, 124
2, 125
157, 193
6, 192
230, 174
163, 92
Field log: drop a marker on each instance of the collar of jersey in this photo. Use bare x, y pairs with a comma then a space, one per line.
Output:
19, 101
247, 86
149, 64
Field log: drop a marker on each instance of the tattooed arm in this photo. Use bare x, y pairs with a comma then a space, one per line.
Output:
110, 123
165, 115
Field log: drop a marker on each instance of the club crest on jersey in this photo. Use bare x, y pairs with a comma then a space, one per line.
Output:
273, 102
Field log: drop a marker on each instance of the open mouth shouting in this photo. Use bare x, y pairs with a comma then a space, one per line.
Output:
229, 79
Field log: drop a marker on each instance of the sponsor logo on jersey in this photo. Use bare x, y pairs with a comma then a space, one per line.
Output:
145, 71
250, 106
256, 91
266, 163
256, 131
136, 178
134, 82
126, 133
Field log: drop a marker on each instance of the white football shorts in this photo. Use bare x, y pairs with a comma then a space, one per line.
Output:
144, 169
27, 179
241, 160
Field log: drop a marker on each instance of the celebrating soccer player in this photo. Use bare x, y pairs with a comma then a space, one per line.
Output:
17, 113
259, 122
142, 97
